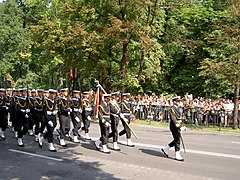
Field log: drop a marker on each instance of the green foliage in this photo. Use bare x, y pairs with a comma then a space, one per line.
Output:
168, 47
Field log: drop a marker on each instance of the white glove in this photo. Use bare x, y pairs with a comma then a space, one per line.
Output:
107, 124
55, 112
50, 123
77, 119
26, 116
27, 110
122, 116
80, 110
89, 118
183, 128
69, 109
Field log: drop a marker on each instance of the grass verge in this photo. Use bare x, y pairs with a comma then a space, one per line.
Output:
189, 126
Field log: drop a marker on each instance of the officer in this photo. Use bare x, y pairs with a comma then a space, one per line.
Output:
13, 112
22, 115
86, 114
104, 124
3, 113
115, 113
76, 114
50, 111
175, 128
64, 111
126, 111
39, 116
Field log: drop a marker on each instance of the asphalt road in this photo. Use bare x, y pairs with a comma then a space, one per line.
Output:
209, 156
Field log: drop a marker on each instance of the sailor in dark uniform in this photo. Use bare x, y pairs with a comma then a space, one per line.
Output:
64, 111
86, 114
104, 124
39, 116
126, 111
3, 113
31, 120
115, 114
22, 115
76, 114
50, 112
175, 128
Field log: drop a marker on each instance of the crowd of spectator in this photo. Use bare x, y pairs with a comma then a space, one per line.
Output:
197, 111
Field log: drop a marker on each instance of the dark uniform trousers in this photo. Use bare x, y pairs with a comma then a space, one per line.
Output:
75, 106
176, 132
3, 118
64, 124
49, 134
64, 116
126, 129
49, 115
86, 114
39, 115
76, 124
21, 121
39, 121
104, 118
125, 109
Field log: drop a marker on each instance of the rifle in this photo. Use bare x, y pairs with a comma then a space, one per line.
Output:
183, 143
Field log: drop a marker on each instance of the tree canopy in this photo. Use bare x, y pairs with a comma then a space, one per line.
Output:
139, 46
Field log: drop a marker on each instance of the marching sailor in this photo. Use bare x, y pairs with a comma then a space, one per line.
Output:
50, 111
22, 115
175, 128
64, 111
39, 117
86, 114
3, 113
126, 111
76, 114
104, 124
115, 113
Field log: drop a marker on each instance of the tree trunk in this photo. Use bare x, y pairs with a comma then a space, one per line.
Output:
236, 102
124, 64
142, 63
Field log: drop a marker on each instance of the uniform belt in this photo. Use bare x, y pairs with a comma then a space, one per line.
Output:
88, 109
23, 110
38, 109
76, 109
105, 116
126, 114
50, 113
115, 115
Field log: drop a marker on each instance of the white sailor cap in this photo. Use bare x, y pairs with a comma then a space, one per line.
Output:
126, 94
40, 90
76, 91
33, 91
106, 95
63, 89
2, 90
117, 93
52, 91
23, 89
